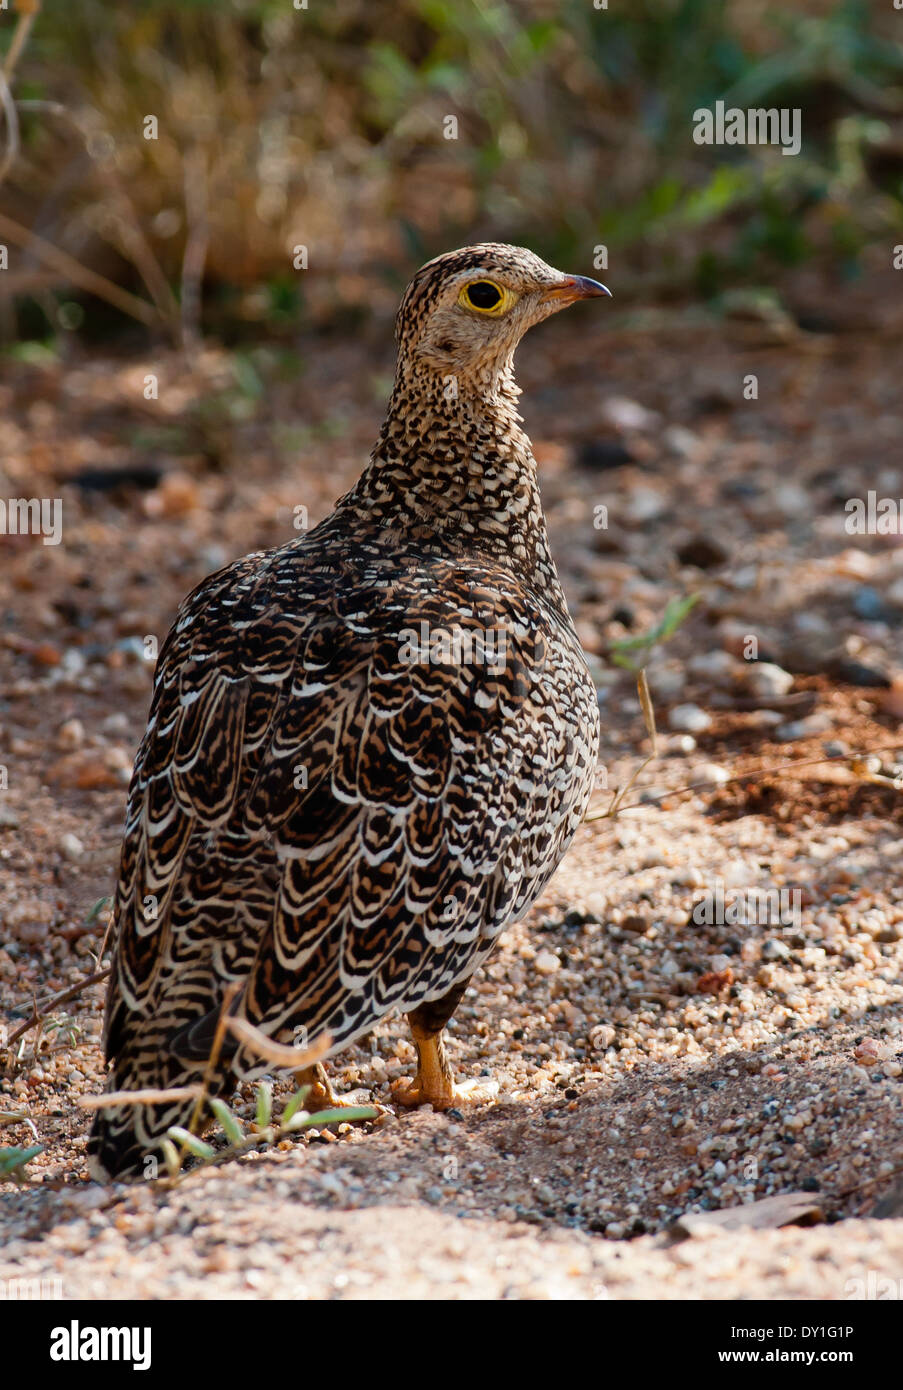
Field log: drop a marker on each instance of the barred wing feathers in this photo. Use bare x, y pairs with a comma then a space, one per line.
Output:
339, 826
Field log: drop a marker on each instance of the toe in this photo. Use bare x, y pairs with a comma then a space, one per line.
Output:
480, 1091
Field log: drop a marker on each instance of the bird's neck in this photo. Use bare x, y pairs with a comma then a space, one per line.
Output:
453, 470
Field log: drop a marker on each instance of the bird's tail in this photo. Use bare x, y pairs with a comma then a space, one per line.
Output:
126, 1139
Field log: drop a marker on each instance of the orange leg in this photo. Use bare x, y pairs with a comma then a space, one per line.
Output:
434, 1083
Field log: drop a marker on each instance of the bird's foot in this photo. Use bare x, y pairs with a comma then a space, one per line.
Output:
321, 1096
443, 1093
351, 1100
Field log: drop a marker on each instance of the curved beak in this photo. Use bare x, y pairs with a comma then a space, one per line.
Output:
574, 287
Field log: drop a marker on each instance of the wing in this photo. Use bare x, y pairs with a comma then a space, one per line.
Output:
353, 778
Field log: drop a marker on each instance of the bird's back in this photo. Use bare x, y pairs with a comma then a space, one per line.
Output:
360, 765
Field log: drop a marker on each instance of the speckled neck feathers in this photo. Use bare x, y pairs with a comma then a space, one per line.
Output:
453, 471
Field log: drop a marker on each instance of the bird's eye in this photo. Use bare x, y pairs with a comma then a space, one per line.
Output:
483, 294
486, 297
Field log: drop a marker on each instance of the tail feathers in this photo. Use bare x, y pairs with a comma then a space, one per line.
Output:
125, 1142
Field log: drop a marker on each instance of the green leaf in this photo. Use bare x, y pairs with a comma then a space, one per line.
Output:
673, 616
339, 1116
676, 611
191, 1142
541, 34
13, 1160
295, 1102
727, 186
227, 1119
264, 1104
33, 353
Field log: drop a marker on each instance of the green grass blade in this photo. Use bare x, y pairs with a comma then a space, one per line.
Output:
264, 1104
228, 1120
295, 1102
171, 1158
338, 1116
13, 1160
191, 1142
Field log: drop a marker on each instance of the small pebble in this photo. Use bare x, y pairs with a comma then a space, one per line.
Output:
628, 415
70, 735
644, 504
682, 743
835, 748
689, 719
768, 681
869, 604
803, 728
683, 443
714, 668
71, 846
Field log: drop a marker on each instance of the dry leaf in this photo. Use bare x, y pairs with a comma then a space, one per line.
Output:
891, 1205
785, 1209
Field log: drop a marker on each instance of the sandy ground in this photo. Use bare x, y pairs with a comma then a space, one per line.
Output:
654, 1058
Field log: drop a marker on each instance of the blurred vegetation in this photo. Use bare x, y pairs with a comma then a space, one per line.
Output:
327, 127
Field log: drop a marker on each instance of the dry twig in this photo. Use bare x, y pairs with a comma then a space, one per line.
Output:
79, 274
149, 1096
64, 995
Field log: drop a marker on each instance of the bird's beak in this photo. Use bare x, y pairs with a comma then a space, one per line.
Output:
575, 287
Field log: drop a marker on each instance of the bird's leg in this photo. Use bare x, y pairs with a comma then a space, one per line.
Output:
434, 1083
321, 1095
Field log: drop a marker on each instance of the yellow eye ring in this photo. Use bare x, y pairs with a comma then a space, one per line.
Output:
478, 296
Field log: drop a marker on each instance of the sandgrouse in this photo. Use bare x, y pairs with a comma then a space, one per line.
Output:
367, 750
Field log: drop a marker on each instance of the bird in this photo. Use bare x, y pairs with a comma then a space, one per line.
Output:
367, 750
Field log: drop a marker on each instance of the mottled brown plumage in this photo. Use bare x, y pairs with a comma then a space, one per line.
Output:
368, 750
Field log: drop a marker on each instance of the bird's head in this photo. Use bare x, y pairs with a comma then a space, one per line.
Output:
464, 313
